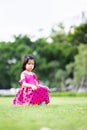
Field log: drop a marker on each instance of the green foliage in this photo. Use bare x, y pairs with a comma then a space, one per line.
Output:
80, 67
58, 34
79, 35
11, 54
51, 57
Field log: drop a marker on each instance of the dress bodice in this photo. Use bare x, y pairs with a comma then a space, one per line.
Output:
29, 78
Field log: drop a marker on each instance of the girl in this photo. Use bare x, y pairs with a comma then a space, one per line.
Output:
31, 92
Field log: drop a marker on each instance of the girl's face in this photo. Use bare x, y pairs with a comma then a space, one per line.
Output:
30, 65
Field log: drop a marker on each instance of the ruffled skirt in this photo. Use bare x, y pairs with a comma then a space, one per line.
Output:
31, 97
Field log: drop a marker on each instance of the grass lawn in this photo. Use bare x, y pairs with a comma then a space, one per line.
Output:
63, 113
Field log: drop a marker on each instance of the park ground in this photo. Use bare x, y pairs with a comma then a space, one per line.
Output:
62, 113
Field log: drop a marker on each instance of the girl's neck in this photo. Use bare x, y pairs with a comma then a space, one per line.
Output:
29, 72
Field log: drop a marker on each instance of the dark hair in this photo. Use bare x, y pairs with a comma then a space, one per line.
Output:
26, 59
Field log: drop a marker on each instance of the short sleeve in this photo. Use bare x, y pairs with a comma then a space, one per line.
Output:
22, 78
35, 77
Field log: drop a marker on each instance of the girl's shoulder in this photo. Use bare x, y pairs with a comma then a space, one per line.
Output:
23, 72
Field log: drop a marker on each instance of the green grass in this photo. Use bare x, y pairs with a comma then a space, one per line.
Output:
63, 113
68, 94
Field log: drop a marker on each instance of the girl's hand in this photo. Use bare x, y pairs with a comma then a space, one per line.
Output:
34, 87
46, 87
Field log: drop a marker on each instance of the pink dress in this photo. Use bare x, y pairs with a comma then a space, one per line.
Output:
28, 96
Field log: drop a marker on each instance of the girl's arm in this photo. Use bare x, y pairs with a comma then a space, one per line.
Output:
37, 82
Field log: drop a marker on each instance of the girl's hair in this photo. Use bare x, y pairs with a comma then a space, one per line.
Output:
25, 61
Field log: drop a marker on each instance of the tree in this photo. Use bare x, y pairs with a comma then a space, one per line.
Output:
11, 54
80, 66
78, 35
58, 34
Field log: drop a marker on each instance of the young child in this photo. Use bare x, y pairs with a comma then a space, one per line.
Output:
31, 92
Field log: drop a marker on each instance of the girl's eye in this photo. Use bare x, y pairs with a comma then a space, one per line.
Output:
30, 64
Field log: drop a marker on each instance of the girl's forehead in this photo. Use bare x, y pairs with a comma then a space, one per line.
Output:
30, 60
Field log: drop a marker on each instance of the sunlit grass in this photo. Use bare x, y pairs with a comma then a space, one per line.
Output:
61, 114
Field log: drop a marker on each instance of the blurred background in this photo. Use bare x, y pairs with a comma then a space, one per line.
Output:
54, 32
